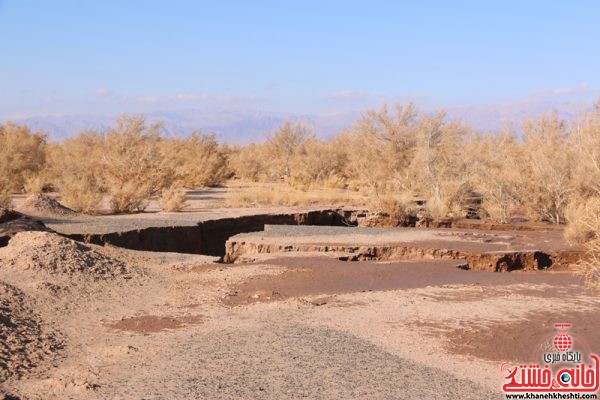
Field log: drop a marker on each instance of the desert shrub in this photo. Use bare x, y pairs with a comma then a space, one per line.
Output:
589, 268
172, 199
34, 184
409, 152
583, 220
22, 154
584, 228
495, 160
397, 206
76, 165
249, 162
380, 147
318, 164
283, 147
195, 161
132, 164
546, 179
585, 141
439, 171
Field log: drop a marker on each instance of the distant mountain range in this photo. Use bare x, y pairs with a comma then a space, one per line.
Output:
242, 127
230, 126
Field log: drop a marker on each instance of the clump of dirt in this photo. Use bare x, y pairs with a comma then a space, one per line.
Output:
146, 324
49, 252
43, 205
24, 341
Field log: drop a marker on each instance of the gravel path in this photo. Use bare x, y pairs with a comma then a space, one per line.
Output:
278, 361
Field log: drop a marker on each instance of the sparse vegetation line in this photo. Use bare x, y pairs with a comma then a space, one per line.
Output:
402, 162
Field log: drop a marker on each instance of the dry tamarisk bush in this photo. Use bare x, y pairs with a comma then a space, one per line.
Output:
585, 144
283, 146
439, 171
380, 147
318, 164
495, 161
583, 220
590, 267
22, 155
548, 174
131, 163
249, 162
77, 167
195, 161
393, 153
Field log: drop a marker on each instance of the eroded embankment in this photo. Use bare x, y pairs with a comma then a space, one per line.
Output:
209, 237
479, 250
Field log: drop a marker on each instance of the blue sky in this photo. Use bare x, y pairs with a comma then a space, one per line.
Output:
85, 57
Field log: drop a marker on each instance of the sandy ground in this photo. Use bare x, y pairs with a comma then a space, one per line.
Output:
166, 326
80, 321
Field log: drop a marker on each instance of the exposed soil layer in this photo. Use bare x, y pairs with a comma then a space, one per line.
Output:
481, 250
517, 341
145, 324
206, 237
325, 276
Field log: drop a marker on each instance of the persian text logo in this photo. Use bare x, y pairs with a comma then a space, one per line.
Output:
563, 363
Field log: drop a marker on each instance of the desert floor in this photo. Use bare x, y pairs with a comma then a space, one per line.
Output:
104, 322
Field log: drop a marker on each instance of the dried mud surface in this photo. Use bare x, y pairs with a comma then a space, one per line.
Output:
307, 276
517, 341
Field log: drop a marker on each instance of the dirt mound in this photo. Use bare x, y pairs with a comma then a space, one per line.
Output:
24, 341
44, 205
46, 251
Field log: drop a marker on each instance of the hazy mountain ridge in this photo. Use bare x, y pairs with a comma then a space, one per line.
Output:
243, 126
231, 127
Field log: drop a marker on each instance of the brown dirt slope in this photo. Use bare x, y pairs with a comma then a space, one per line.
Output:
24, 340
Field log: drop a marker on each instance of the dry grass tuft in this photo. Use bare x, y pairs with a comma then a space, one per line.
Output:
269, 195
172, 199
